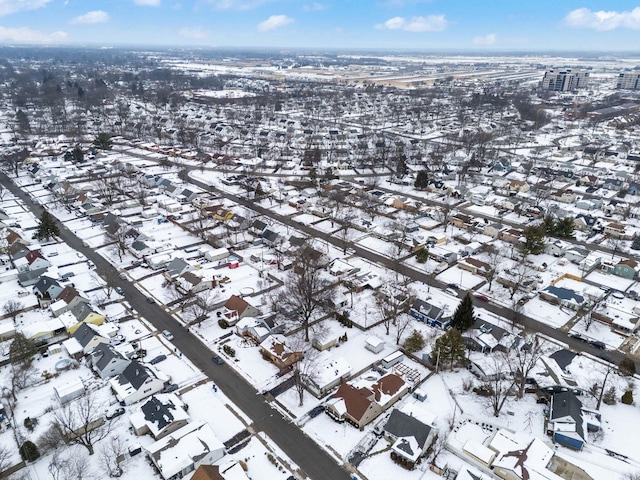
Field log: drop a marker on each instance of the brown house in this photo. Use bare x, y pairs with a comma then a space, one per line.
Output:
276, 350
237, 308
360, 406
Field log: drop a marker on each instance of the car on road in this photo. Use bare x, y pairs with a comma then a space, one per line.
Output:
217, 359
351, 251
484, 298
157, 359
451, 291
90, 264
167, 334
170, 388
119, 290
598, 344
123, 276
453, 286
151, 300
114, 413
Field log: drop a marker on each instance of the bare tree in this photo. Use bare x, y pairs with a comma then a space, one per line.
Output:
306, 369
526, 358
518, 277
72, 466
121, 243
305, 293
111, 454
444, 212
12, 308
200, 306
402, 322
494, 259
499, 386
392, 301
22, 375
82, 422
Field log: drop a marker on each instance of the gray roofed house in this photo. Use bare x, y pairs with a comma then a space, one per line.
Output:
270, 237
411, 437
566, 423
562, 296
177, 266
81, 311
135, 383
429, 314
47, 287
107, 361
30, 277
484, 336
258, 226
88, 337
160, 415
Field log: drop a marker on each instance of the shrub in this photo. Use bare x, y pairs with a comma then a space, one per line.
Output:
627, 398
414, 342
422, 255
627, 367
29, 452
223, 323
229, 351
609, 397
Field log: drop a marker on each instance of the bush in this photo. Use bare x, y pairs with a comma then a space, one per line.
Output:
223, 323
414, 342
627, 367
627, 398
422, 255
609, 397
29, 452
229, 351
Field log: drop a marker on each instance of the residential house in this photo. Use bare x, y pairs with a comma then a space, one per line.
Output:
520, 457
463, 221
518, 186
30, 277
493, 229
184, 450
160, 415
626, 269
88, 337
511, 235
236, 308
32, 261
254, 328
409, 436
46, 290
329, 372
177, 267
136, 382
576, 254
556, 248
562, 296
567, 423
584, 223
83, 313
475, 266
564, 196
616, 230
484, 336
429, 314
66, 300
276, 349
227, 470
108, 362
359, 406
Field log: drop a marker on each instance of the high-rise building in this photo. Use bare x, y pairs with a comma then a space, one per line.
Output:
629, 80
565, 80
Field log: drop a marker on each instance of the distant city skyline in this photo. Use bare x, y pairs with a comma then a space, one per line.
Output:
514, 25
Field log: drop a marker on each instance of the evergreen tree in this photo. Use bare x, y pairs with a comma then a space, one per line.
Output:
635, 245
103, 141
47, 227
422, 180
449, 349
533, 240
463, 318
29, 452
422, 255
414, 342
22, 350
77, 154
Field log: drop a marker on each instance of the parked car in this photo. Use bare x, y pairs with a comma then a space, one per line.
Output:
484, 298
157, 359
151, 300
119, 290
598, 344
170, 388
453, 286
167, 334
315, 411
123, 276
114, 413
217, 359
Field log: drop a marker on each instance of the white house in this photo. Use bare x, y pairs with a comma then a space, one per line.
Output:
136, 382
184, 450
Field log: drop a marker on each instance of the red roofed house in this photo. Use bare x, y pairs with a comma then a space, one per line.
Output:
361, 405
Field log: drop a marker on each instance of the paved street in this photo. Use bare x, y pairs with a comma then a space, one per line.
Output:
314, 461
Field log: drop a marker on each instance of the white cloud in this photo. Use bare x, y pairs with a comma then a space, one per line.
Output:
273, 22
147, 3
26, 35
236, 4
488, 39
314, 7
603, 20
90, 18
8, 7
193, 33
401, 3
430, 23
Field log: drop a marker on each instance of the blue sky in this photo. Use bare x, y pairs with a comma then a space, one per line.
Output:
407, 24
